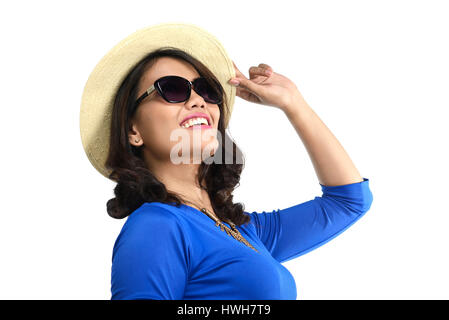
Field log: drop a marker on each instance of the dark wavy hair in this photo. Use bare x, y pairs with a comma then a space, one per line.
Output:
136, 184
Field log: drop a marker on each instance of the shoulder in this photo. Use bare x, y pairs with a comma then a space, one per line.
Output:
154, 212
151, 221
163, 213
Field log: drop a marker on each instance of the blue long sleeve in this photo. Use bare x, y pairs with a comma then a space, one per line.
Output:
165, 252
291, 232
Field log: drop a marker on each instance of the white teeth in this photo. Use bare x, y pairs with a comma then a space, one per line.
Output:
194, 121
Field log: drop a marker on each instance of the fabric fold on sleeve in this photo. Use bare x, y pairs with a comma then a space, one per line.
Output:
150, 257
294, 231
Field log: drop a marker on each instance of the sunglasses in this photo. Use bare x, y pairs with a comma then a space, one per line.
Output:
175, 89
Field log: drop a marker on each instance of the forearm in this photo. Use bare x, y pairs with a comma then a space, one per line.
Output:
332, 164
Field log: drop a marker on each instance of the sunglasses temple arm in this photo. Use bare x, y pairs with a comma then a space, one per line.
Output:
146, 94
150, 89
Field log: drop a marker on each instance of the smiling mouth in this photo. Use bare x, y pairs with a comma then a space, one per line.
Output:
196, 123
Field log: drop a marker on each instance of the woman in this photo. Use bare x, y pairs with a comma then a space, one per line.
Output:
184, 238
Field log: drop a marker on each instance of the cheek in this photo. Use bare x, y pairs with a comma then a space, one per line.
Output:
158, 128
215, 113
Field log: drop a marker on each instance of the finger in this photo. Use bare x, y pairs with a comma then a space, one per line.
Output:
266, 66
251, 86
258, 71
246, 95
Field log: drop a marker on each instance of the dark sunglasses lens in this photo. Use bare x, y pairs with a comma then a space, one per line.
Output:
174, 89
207, 91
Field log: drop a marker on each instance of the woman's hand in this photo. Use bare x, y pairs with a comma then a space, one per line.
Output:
270, 89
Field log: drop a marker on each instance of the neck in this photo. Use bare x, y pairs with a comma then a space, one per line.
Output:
181, 179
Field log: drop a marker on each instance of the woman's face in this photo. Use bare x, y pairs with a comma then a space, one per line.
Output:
155, 120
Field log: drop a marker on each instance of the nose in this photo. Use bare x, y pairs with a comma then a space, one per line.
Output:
195, 100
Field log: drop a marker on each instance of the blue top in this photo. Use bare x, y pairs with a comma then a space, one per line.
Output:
168, 252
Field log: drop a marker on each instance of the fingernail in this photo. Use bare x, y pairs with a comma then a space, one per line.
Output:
234, 82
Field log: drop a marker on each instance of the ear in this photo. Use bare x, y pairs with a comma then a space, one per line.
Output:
134, 137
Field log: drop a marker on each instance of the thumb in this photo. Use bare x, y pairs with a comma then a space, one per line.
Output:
248, 85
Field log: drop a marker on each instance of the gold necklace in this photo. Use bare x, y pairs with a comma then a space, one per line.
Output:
234, 232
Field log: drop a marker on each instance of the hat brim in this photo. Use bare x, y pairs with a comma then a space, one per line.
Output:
106, 78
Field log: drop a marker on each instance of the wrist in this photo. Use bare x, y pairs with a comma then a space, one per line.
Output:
295, 105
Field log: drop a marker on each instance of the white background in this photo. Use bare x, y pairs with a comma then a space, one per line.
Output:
376, 73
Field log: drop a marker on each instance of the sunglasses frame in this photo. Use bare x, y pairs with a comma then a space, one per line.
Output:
157, 87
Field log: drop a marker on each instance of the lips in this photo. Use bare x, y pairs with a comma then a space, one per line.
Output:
196, 115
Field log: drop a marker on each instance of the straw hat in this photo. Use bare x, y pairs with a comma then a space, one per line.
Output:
104, 81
